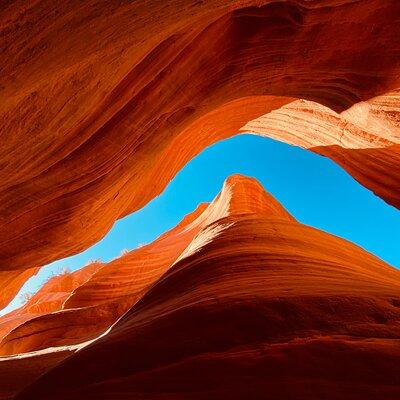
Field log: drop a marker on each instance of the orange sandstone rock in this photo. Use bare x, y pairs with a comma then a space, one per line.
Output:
66, 310
364, 139
11, 282
102, 103
50, 298
255, 304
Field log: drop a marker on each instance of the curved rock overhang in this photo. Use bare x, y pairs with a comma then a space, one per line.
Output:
105, 103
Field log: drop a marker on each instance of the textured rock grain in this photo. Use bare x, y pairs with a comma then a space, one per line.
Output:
251, 303
103, 102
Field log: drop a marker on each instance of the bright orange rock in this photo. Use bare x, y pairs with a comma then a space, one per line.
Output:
50, 298
11, 282
102, 103
65, 311
364, 139
251, 302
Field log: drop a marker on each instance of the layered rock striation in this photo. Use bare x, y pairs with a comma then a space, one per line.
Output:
237, 301
102, 103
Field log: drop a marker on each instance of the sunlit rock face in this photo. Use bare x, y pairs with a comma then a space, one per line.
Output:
103, 102
66, 310
49, 300
11, 283
364, 139
237, 301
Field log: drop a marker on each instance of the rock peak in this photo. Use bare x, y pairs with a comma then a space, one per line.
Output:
239, 195
245, 195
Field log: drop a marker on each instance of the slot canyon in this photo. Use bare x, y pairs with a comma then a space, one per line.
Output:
102, 104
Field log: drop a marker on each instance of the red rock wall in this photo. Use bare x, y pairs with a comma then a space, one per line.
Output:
257, 305
102, 98
102, 103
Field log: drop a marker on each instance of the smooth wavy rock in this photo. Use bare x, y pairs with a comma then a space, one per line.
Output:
256, 306
364, 139
103, 102
66, 310
50, 298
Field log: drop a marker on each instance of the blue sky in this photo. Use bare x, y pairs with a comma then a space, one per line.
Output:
313, 189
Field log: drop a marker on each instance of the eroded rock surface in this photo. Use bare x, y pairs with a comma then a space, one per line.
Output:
103, 102
237, 300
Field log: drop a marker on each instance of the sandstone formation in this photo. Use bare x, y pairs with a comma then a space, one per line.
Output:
49, 299
237, 301
364, 139
66, 310
18, 372
103, 102
11, 282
